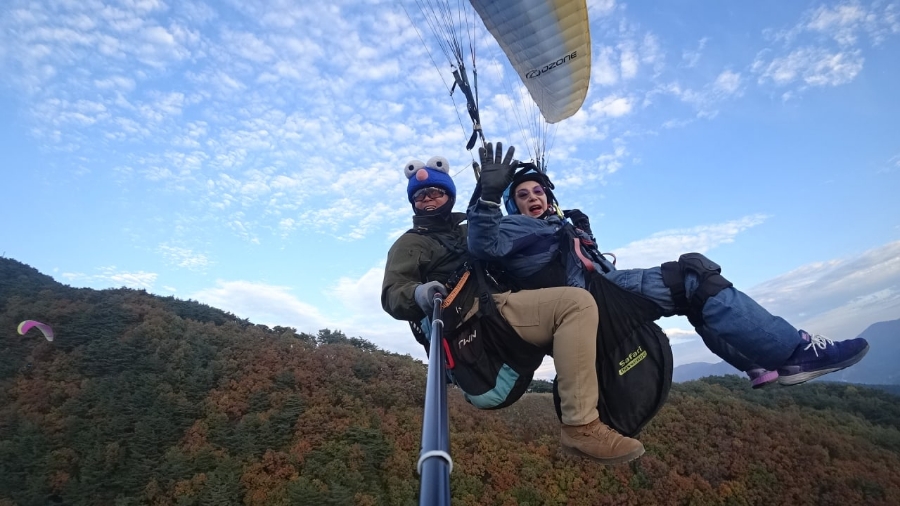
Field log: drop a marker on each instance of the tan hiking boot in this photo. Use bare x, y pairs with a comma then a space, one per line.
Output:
599, 442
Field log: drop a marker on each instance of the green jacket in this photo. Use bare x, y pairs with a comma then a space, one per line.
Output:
433, 251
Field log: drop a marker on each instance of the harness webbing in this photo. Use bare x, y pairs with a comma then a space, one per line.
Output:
456, 290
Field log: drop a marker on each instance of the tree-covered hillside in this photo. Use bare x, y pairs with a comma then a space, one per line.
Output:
149, 400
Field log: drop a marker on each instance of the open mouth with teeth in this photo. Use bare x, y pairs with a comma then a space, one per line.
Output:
535, 209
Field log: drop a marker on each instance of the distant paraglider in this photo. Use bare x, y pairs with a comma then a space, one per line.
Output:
27, 325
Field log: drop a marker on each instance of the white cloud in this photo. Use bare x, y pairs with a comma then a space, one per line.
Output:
727, 83
222, 117
839, 297
692, 56
598, 8
629, 60
164, 105
850, 319
113, 277
687, 346
547, 370
247, 46
184, 257
839, 22
824, 48
359, 314
844, 23
612, 106
660, 247
652, 53
138, 279
705, 100
891, 165
678, 336
263, 303
118, 83
360, 299
603, 68
361, 295
812, 66
144, 6
608, 163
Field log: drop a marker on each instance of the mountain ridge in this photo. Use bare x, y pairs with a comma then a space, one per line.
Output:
144, 399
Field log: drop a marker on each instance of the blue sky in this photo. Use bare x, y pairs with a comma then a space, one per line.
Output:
249, 154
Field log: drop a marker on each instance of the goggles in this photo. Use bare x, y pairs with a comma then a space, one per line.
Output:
523, 193
430, 192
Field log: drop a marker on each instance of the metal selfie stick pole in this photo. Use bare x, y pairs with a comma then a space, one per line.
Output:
435, 463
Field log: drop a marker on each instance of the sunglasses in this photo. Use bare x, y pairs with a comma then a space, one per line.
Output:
523, 193
430, 192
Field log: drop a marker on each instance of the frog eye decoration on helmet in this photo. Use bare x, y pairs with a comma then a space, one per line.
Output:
412, 167
439, 163
434, 173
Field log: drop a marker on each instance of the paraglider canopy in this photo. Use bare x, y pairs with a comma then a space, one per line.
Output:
27, 325
548, 43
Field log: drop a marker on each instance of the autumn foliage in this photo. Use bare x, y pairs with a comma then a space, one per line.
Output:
150, 400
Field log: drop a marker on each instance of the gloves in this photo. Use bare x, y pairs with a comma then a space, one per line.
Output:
496, 175
580, 220
425, 295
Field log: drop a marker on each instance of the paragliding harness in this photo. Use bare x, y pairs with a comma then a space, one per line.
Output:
634, 356
486, 358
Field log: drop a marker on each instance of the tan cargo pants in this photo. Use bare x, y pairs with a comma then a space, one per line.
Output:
567, 318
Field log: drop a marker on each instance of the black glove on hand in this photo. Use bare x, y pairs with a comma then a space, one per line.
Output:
425, 295
495, 174
580, 220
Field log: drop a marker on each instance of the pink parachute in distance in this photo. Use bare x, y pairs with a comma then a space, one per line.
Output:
43, 327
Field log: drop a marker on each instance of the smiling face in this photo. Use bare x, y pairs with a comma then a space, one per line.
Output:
429, 199
530, 198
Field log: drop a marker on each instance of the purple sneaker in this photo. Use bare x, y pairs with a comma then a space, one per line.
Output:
761, 378
821, 356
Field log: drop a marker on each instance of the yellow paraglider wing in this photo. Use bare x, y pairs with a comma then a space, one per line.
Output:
548, 44
45, 329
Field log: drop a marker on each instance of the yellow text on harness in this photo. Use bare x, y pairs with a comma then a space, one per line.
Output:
632, 360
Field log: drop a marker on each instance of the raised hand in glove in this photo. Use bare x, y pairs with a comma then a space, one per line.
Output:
495, 174
425, 295
580, 220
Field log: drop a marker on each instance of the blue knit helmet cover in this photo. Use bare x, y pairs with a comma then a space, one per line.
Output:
437, 174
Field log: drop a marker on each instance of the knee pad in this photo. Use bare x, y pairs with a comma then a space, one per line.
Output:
710, 282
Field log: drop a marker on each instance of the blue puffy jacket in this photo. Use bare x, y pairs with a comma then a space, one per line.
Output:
525, 245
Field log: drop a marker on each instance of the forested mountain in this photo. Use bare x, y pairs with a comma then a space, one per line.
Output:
150, 400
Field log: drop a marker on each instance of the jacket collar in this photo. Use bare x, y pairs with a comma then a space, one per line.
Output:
438, 223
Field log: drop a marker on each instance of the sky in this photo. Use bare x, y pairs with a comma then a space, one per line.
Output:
248, 155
